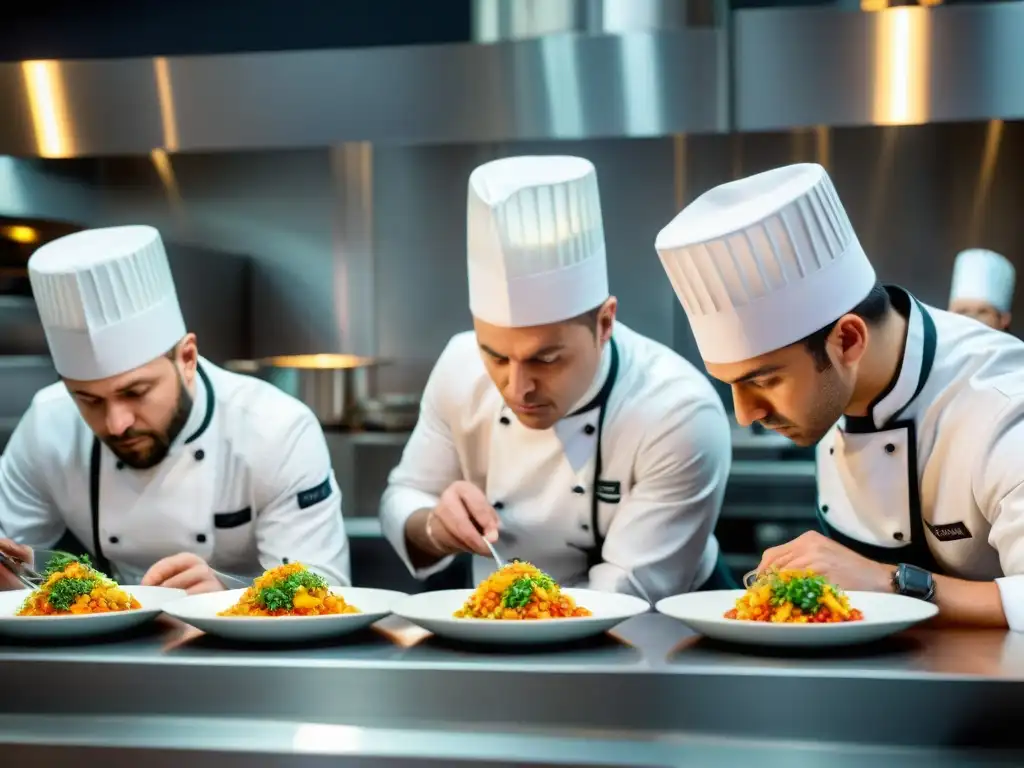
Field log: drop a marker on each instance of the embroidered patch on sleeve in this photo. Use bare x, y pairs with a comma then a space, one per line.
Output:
315, 495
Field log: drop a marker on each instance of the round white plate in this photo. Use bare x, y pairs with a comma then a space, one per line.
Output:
201, 612
153, 600
433, 611
884, 615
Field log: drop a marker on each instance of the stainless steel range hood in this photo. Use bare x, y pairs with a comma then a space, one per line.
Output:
536, 70
568, 85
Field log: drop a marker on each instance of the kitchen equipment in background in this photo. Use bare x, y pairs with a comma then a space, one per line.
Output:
332, 385
390, 412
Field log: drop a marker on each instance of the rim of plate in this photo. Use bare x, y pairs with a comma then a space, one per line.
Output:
95, 616
173, 608
640, 607
928, 611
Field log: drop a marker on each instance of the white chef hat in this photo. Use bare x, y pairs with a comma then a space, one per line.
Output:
106, 299
763, 262
535, 241
985, 275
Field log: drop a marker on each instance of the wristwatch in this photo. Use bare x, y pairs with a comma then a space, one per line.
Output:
912, 581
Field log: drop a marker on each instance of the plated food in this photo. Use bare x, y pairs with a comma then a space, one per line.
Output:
289, 590
519, 605
796, 608
73, 586
286, 604
77, 601
794, 597
520, 591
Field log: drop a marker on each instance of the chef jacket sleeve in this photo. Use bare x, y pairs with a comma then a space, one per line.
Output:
655, 543
28, 514
999, 491
298, 510
430, 463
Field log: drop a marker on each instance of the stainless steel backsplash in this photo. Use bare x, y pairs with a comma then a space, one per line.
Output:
361, 248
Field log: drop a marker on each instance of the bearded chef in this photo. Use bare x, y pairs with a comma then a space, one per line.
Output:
563, 437
983, 283
168, 470
917, 413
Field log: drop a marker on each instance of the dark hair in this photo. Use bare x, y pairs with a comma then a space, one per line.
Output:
872, 310
589, 318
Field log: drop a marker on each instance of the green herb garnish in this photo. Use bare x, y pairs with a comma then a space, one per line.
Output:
518, 593
64, 593
279, 595
62, 560
804, 593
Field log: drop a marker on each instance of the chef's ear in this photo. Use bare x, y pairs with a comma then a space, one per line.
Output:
849, 339
606, 319
188, 357
1005, 318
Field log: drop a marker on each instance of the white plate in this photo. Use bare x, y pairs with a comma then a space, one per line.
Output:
153, 600
433, 611
884, 615
201, 612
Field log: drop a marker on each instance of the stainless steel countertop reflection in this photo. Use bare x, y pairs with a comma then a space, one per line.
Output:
651, 676
648, 644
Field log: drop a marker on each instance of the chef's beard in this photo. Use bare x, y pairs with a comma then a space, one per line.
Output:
832, 395
160, 443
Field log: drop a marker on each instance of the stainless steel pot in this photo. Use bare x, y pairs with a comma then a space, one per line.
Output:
331, 385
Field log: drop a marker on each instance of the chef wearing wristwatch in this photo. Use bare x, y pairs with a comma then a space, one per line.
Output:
916, 413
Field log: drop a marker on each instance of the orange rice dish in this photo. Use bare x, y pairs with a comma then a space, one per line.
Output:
794, 597
289, 590
519, 591
77, 589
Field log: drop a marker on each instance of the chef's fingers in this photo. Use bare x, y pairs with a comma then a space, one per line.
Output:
162, 570
772, 555
19, 551
482, 512
453, 515
190, 578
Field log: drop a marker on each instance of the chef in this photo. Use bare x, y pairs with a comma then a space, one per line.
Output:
168, 470
917, 413
983, 283
562, 437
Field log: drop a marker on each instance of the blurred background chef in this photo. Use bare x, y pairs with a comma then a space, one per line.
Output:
166, 469
567, 439
917, 414
983, 284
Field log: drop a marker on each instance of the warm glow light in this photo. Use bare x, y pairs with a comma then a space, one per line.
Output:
901, 66
319, 362
48, 106
21, 234
165, 96
989, 159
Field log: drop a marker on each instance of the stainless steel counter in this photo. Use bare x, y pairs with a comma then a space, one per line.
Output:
649, 694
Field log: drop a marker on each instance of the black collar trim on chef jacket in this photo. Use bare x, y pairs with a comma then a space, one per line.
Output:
208, 416
96, 458
905, 303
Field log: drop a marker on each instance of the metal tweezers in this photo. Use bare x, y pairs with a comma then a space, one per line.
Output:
22, 571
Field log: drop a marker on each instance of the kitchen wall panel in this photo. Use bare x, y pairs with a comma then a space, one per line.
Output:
916, 195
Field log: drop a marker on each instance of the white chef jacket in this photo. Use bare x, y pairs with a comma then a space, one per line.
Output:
247, 485
935, 472
666, 455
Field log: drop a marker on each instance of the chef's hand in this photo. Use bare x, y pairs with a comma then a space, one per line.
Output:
456, 523
184, 571
840, 565
20, 551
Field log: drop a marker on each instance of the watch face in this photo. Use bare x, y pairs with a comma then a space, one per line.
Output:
914, 581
